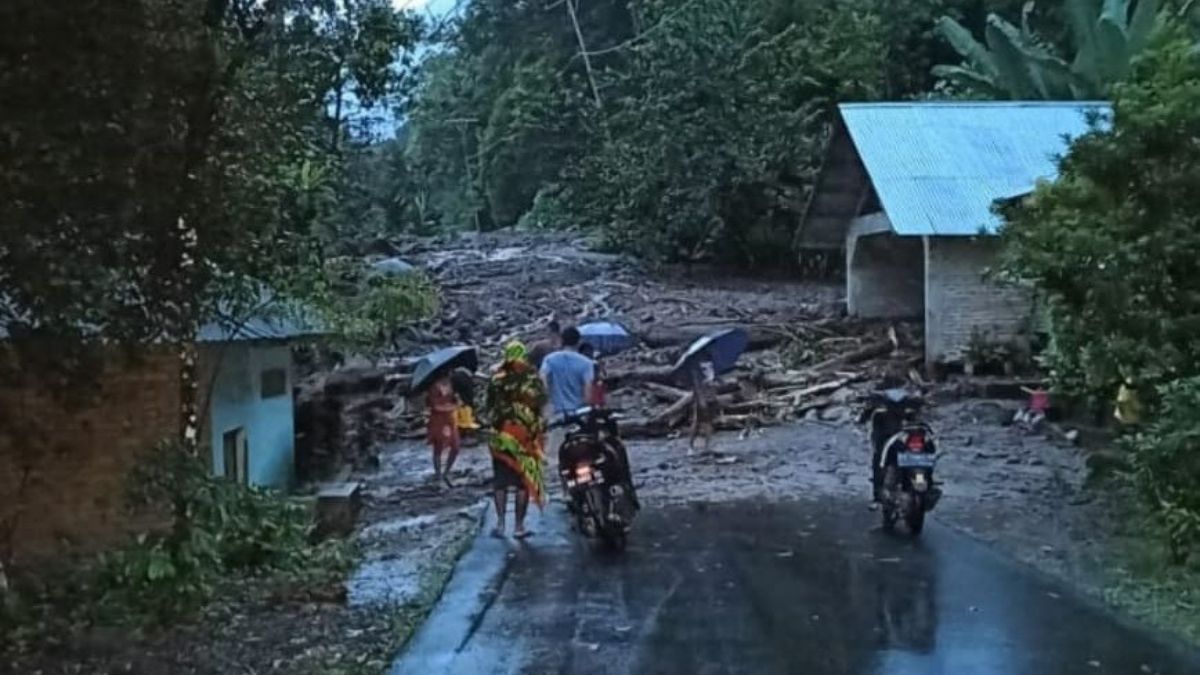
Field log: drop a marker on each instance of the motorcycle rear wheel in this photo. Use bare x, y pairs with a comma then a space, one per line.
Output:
888, 509
915, 518
614, 541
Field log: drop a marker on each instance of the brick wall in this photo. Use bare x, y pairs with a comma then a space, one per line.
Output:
885, 277
80, 456
960, 299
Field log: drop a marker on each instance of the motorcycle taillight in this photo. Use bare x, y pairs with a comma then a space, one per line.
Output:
915, 442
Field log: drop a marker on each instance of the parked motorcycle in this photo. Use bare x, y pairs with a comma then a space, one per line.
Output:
904, 457
595, 475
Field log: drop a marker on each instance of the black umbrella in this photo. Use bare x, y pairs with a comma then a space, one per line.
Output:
432, 366
722, 348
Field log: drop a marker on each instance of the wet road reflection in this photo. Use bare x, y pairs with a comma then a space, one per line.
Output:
783, 588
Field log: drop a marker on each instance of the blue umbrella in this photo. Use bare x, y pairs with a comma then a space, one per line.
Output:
432, 365
722, 348
606, 337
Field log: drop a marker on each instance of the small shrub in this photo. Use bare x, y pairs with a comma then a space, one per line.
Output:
1166, 461
222, 533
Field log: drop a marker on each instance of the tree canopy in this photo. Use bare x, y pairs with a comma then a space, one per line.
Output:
1112, 243
678, 129
179, 158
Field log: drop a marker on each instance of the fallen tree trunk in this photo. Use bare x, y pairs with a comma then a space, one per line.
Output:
664, 391
632, 376
642, 428
675, 413
866, 353
761, 337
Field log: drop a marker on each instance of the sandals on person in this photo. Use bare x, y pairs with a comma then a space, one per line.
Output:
523, 534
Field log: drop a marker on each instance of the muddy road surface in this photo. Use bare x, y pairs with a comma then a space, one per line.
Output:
754, 587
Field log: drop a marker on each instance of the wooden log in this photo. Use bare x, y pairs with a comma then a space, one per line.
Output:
626, 377
664, 391
761, 337
865, 353
642, 428
675, 413
819, 389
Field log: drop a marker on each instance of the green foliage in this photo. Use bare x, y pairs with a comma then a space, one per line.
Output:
1166, 460
159, 178
222, 531
1017, 63
1112, 247
700, 136
708, 148
364, 308
1111, 244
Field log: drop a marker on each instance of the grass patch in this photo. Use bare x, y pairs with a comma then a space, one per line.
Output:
1144, 583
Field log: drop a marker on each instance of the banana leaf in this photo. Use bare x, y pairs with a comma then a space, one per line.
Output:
1142, 26
974, 53
1082, 15
970, 80
1003, 39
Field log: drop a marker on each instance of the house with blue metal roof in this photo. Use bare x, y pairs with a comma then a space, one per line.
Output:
248, 408
907, 191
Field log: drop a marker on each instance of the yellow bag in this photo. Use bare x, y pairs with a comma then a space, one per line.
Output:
464, 418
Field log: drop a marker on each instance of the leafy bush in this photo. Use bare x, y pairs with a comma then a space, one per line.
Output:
1112, 243
222, 533
1166, 460
362, 307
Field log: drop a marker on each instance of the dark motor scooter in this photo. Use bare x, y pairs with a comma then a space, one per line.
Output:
594, 469
903, 459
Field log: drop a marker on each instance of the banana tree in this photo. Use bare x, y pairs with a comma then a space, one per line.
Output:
1014, 63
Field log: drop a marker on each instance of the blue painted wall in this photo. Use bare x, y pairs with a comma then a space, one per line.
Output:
237, 401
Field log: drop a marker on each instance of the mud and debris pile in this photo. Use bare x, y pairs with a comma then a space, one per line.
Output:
805, 357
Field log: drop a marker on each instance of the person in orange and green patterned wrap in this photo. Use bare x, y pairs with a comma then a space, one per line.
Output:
516, 397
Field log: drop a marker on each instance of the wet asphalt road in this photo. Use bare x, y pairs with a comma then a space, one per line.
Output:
781, 588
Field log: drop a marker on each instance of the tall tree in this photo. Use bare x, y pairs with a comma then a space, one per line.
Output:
159, 174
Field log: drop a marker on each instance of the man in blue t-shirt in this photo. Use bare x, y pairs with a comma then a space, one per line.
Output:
568, 375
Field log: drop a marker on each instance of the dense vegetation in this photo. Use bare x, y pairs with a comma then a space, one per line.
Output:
190, 158
1112, 248
677, 129
169, 163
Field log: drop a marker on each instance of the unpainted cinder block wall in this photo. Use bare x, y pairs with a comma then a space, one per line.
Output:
962, 299
63, 468
885, 278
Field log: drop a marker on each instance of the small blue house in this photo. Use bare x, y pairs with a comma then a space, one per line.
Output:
249, 410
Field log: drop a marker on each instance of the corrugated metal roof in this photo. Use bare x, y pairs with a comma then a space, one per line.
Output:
257, 328
275, 321
939, 166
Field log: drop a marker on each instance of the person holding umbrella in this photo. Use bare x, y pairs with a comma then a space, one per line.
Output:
705, 407
698, 367
516, 396
433, 376
442, 431
598, 394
